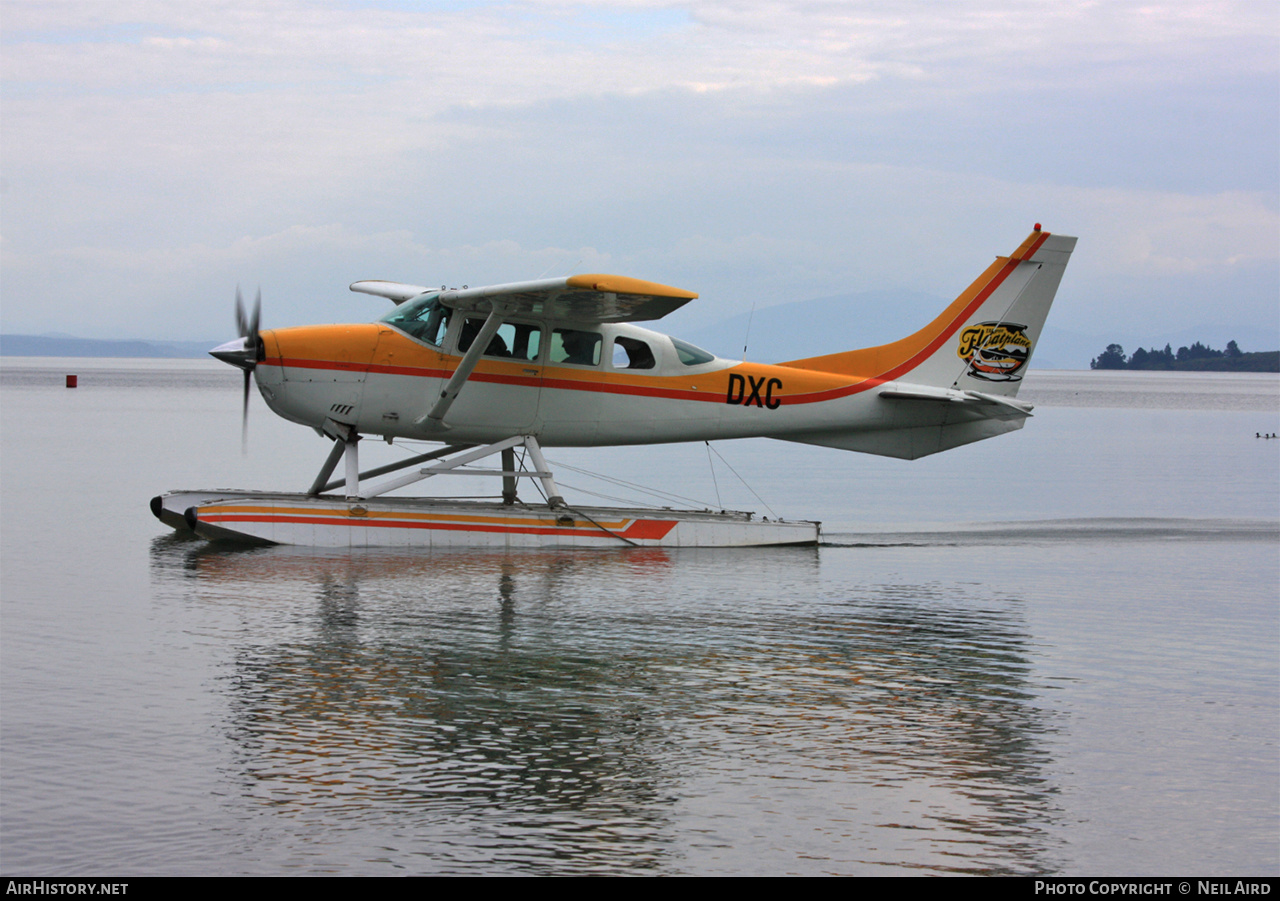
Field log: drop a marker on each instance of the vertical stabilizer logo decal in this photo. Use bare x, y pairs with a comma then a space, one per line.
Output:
995, 351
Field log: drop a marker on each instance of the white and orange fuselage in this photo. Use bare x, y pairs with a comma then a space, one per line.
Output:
950, 383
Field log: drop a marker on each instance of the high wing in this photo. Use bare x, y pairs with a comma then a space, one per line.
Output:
394, 291
578, 298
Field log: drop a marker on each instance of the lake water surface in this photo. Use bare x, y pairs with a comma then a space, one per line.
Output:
1057, 651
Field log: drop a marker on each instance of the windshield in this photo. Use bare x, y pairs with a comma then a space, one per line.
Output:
423, 318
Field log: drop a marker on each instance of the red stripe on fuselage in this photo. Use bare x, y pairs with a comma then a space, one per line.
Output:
1031, 251
952, 327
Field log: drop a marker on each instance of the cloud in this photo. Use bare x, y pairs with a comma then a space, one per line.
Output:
155, 154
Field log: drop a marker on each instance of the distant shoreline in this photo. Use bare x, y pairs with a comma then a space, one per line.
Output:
57, 346
1257, 361
1196, 358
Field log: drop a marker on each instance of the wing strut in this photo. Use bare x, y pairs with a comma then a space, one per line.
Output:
451, 390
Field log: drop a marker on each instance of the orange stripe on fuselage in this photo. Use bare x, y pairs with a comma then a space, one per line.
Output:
1029, 247
888, 361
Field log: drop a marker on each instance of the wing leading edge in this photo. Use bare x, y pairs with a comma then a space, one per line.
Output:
394, 291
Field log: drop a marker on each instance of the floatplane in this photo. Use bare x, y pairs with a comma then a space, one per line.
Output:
560, 362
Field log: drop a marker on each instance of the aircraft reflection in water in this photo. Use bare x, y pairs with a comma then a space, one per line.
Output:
567, 702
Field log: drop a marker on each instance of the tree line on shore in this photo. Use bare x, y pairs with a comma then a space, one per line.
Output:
1196, 358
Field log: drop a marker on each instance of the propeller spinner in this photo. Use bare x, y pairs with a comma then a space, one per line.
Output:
245, 352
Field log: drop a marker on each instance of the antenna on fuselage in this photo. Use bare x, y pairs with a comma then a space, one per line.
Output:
571, 268
747, 338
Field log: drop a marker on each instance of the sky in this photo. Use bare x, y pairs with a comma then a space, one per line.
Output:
155, 155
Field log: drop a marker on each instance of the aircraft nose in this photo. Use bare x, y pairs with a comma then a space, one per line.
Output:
241, 353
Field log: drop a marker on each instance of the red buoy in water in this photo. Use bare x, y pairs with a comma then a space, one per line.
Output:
71, 381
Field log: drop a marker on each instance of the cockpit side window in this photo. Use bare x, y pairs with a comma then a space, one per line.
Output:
423, 318
575, 347
632, 353
514, 340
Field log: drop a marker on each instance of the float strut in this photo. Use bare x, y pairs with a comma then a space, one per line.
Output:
393, 467
353, 466
508, 482
540, 464
454, 466
339, 447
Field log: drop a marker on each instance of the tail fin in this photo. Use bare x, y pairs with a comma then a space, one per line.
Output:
984, 339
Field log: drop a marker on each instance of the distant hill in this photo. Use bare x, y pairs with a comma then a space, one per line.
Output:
809, 328
66, 346
825, 325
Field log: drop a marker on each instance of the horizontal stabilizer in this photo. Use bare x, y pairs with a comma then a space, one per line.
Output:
996, 407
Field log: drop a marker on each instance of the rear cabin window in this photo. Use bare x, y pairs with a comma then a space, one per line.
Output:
690, 355
513, 340
575, 347
632, 353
